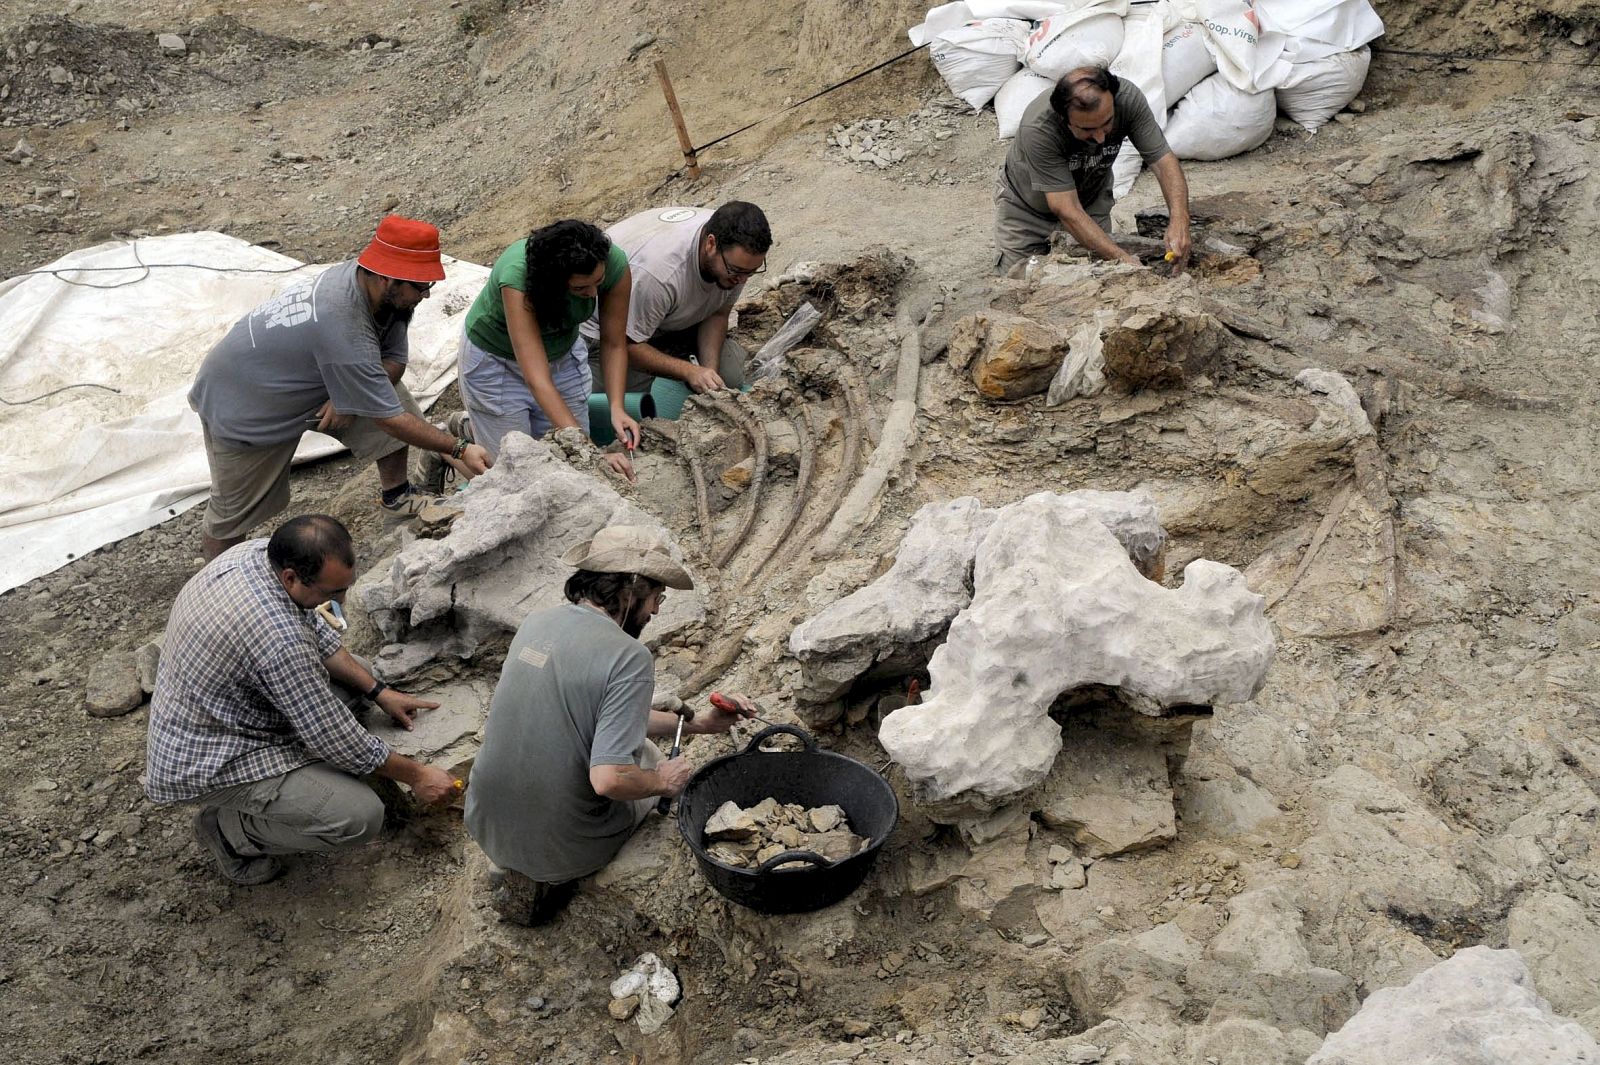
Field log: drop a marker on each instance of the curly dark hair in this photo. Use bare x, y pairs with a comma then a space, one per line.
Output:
615, 593
737, 224
554, 254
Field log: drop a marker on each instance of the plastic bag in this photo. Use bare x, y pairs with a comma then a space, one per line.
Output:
773, 356
977, 58
1250, 58
1217, 120
1083, 371
1316, 91
1066, 42
1139, 63
1185, 59
1020, 90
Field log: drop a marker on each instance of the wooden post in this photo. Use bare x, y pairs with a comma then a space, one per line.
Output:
677, 119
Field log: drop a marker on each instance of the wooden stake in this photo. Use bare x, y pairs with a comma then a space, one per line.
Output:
677, 119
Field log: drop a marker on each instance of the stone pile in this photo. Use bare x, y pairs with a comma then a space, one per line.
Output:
745, 838
887, 142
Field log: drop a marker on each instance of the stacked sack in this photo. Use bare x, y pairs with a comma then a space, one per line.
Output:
1216, 72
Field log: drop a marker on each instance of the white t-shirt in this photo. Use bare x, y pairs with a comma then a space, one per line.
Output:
663, 246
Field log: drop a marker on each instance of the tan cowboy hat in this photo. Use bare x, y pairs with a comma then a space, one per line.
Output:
630, 549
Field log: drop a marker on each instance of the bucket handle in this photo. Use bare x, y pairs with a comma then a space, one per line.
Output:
792, 856
772, 730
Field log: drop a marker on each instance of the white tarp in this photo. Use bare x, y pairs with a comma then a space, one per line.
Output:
86, 467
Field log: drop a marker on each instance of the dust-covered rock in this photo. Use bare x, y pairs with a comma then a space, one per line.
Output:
113, 687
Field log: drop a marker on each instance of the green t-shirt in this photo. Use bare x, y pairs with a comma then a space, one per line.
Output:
486, 321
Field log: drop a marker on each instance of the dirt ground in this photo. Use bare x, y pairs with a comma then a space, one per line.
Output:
297, 125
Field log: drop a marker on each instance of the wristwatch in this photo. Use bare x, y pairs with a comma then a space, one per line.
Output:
377, 689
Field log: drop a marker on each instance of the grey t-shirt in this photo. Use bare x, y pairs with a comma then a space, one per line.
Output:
263, 383
1046, 157
574, 693
663, 246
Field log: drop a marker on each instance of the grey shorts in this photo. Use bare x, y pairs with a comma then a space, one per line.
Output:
251, 484
1020, 231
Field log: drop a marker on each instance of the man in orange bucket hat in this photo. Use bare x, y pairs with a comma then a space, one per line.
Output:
326, 354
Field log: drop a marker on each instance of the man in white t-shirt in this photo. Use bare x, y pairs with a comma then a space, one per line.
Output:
689, 267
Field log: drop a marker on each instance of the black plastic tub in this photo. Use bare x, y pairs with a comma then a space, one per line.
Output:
810, 777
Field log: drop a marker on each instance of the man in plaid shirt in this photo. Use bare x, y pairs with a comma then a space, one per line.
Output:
244, 720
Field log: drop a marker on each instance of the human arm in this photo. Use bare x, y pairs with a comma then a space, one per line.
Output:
526, 342
395, 369
614, 369
343, 667
709, 338
624, 782
410, 429
428, 783
652, 360
1175, 190
1085, 230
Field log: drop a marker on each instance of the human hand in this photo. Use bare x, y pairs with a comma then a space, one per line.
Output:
702, 379
674, 774
433, 785
475, 458
726, 711
1178, 244
330, 420
400, 706
619, 463
626, 428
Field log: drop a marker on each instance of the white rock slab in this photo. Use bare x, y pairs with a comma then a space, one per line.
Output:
1477, 1008
1059, 606
444, 735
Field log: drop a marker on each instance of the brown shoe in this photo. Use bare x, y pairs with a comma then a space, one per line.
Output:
523, 901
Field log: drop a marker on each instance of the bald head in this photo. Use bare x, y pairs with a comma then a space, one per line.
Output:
1086, 98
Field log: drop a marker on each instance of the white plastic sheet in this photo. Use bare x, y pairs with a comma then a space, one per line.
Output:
86, 466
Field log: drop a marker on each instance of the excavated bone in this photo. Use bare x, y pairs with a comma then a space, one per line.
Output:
1058, 606
502, 557
888, 624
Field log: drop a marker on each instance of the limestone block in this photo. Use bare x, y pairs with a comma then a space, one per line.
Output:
443, 736
1262, 934
1555, 936
891, 619
1059, 607
501, 559
892, 623
147, 659
1109, 791
1018, 356
1477, 1008
1242, 1041
113, 687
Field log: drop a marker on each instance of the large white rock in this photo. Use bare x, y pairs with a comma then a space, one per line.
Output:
1058, 606
891, 624
502, 558
1477, 1008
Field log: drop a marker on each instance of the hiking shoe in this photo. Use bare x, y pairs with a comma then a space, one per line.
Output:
234, 867
409, 505
459, 425
523, 901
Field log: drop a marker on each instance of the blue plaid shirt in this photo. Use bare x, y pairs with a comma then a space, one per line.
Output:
241, 693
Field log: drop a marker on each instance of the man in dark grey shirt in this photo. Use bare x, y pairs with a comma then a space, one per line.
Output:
327, 354
1057, 174
566, 772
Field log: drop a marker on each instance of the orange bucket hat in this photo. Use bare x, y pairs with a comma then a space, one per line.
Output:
404, 249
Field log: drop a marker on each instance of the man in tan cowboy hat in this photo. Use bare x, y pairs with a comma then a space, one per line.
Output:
566, 774
326, 354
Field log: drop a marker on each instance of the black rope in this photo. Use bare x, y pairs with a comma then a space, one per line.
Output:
53, 391
140, 264
821, 92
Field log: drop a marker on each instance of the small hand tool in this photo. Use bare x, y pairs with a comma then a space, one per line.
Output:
677, 746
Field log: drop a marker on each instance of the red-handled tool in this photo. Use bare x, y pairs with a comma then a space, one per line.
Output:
728, 706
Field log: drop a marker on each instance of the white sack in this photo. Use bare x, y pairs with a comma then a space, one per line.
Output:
977, 58
1321, 27
1139, 63
1066, 42
1251, 59
939, 19
1217, 120
1034, 10
1020, 90
1316, 91
87, 467
1185, 59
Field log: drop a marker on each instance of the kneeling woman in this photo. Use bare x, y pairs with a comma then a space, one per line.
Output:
522, 365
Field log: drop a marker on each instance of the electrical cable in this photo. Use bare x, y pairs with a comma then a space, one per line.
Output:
140, 264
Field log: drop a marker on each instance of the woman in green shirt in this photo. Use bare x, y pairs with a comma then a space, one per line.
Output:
523, 366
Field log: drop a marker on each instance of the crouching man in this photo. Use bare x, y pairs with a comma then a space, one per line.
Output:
252, 716
566, 774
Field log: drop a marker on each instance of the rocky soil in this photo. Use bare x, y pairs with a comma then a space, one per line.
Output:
1418, 775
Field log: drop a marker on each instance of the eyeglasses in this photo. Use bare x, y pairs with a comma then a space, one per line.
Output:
734, 271
423, 287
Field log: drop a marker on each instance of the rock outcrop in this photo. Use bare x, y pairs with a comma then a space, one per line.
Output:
1059, 607
1477, 1008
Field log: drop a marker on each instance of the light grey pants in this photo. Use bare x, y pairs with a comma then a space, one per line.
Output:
313, 808
499, 401
1020, 231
